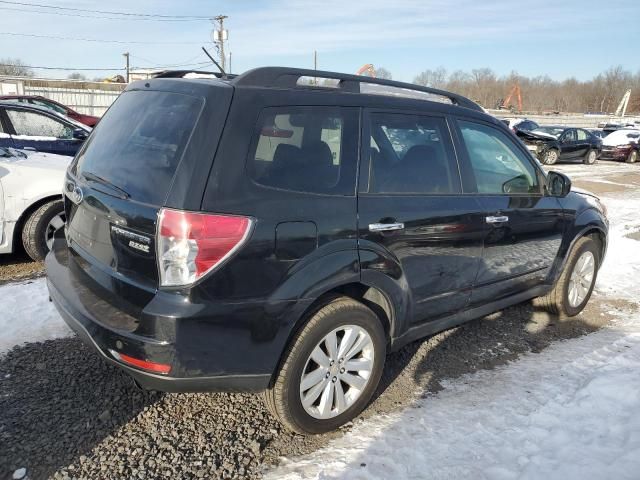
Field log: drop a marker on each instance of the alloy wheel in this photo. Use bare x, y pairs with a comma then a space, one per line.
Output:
581, 279
337, 372
55, 224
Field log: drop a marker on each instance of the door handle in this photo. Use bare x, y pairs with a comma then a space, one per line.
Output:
385, 227
499, 219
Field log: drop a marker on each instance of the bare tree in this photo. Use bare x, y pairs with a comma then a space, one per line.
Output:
382, 72
14, 67
77, 76
432, 78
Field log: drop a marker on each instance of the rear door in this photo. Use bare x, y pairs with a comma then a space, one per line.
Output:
522, 226
583, 142
412, 212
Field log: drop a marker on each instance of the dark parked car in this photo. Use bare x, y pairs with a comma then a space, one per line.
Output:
263, 233
622, 144
520, 125
552, 144
598, 132
54, 106
39, 129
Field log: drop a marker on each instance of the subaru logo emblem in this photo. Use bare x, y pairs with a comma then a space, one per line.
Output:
74, 192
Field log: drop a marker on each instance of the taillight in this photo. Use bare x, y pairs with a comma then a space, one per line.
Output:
192, 244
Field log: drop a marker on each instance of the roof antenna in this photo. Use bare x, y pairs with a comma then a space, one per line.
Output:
224, 74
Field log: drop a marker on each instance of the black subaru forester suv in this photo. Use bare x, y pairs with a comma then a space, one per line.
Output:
283, 230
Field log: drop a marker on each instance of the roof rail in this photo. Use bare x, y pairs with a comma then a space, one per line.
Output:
183, 73
284, 77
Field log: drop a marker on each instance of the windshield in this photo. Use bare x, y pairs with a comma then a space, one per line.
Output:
7, 152
553, 131
139, 143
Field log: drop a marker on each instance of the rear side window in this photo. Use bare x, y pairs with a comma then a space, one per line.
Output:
37, 125
411, 154
306, 149
582, 135
139, 142
498, 165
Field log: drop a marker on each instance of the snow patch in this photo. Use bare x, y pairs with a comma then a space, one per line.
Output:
28, 315
569, 412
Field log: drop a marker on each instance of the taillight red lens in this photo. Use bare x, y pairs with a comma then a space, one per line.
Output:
144, 364
192, 244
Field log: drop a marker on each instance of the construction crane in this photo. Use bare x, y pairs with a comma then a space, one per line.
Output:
624, 103
367, 70
514, 90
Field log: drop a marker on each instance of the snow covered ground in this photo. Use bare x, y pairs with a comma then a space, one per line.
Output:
28, 315
570, 412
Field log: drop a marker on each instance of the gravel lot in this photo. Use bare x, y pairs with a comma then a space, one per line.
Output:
64, 413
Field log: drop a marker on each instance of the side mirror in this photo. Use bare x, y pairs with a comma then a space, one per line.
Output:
558, 184
80, 134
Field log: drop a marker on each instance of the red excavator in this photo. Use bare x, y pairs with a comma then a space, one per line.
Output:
367, 70
514, 90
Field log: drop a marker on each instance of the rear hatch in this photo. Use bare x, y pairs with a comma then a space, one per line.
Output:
124, 174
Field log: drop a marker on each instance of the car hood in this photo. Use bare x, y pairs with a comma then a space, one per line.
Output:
582, 191
48, 161
538, 136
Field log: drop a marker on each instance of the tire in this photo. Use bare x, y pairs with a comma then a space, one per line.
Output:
284, 397
591, 157
39, 227
632, 157
558, 300
550, 157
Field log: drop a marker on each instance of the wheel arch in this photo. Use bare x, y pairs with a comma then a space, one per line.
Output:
371, 296
26, 213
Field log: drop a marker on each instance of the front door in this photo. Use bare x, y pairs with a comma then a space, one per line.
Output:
523, 227
413, 215
42, 133
569, 146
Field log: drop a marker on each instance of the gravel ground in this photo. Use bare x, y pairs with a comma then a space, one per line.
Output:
64, 413
68, 414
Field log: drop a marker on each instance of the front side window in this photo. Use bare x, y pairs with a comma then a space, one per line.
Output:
37, 125
303, 149
411, 154
498, 165
569, 136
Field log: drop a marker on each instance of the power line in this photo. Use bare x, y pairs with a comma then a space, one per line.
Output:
88, 69
96, 40
60, 68
102, 17
106, 12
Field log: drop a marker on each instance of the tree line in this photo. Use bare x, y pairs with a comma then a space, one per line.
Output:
540, 94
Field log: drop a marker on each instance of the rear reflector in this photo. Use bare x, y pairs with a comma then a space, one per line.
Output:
190, 245
143, 364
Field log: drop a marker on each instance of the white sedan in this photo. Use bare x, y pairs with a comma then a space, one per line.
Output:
31, 206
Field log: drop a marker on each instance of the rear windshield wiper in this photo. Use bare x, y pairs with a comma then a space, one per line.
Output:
92, 177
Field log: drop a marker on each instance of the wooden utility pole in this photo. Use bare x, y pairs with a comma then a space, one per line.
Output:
126, 55
220, 35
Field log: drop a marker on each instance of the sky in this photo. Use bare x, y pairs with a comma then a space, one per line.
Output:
560, 38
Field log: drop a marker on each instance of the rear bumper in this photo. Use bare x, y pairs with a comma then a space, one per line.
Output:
210, 345
100, 337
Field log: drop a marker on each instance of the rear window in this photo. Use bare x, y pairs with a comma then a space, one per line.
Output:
138, 144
